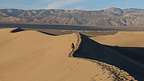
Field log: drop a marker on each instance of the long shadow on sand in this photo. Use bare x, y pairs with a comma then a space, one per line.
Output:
128, 59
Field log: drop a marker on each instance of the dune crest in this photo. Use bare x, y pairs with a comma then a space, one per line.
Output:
34, 56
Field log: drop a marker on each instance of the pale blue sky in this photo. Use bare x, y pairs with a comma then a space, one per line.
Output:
70, 4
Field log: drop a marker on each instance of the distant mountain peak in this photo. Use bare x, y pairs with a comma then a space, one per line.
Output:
114, 10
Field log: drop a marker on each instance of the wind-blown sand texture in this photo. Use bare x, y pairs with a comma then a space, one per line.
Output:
33, 56
123, 39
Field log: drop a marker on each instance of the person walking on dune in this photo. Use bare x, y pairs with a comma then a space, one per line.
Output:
72, 47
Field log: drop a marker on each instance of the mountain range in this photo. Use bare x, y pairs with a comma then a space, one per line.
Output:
106, 17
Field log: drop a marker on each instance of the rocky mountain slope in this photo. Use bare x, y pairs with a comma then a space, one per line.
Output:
107, 17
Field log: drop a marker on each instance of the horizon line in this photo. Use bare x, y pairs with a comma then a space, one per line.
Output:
70, 8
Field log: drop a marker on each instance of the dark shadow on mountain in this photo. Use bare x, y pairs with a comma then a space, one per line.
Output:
128, 59
18, 29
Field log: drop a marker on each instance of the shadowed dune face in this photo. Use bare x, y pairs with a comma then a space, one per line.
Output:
122, 57
33, 56
122, 39
130, 44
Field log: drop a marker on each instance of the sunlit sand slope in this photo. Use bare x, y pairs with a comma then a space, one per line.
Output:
33, 56
124, 39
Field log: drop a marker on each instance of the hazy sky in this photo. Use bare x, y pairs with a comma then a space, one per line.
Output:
70, 4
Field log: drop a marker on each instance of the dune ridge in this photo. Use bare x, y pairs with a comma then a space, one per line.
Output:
34, 56
121, 57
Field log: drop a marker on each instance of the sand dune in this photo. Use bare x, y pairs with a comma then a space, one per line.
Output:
33, 56
127, 58
123, 39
